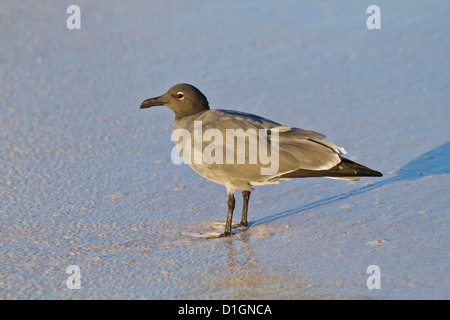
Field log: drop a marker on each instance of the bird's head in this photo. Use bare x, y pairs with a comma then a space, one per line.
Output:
183, 99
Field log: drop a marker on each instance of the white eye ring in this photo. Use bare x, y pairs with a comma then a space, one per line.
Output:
180, 95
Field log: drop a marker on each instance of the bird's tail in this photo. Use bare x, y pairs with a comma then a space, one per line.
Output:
345, 170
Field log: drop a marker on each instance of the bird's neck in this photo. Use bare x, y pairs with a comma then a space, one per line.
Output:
190, 113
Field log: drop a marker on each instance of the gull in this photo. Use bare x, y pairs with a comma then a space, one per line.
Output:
226, 147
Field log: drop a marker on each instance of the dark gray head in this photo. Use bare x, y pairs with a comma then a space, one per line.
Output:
183, 99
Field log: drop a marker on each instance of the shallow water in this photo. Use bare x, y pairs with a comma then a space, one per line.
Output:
87, 177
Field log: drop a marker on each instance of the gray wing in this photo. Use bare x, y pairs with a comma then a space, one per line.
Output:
297, 148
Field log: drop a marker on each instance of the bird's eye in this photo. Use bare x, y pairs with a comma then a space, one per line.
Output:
180, 96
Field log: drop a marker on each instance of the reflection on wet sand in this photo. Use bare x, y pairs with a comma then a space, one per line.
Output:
244, 274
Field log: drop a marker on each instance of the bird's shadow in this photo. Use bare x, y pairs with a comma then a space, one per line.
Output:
432, 163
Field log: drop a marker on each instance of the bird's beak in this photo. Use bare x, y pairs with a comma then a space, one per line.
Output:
152, 102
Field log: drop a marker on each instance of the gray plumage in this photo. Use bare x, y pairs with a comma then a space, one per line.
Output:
301, 153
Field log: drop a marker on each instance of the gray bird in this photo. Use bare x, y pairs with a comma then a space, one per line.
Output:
223, 146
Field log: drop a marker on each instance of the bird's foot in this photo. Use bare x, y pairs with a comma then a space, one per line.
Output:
243, 224
225, 234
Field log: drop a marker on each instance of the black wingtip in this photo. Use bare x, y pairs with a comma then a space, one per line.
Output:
359, 169
345, 169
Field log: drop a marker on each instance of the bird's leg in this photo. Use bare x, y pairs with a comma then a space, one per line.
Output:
231, 203
246, 195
